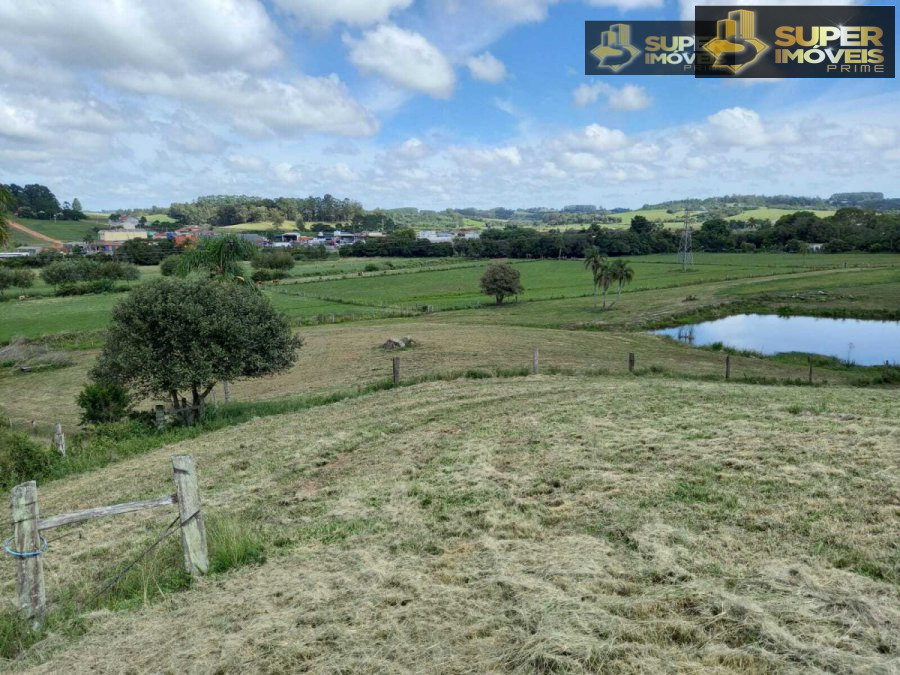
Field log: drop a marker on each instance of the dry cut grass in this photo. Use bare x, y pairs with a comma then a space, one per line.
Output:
540, 524
342, 356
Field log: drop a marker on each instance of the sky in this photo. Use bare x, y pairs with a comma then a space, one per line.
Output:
426, 103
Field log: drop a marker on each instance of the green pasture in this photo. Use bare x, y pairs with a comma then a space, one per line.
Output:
557, 292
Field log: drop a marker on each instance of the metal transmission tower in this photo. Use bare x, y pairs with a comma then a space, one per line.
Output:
685, 250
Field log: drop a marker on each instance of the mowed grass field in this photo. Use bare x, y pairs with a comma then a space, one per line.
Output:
356, 314
533, 525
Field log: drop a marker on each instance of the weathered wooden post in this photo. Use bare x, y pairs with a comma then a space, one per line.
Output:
536, 365
59, 439
226, 389
630, 362
26, 547
809, 377
159, 412
395, 366
728, 366
193, 530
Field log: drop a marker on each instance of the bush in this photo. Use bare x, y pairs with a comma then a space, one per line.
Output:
77, 271
267, 275
371, 267
15, 278
276, 260
102, 403
169, 266
96, 286
21, 458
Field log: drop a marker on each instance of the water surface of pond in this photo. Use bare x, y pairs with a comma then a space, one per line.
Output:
866, 343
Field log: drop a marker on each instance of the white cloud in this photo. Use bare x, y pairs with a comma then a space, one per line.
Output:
485, 158
627, 5
878, 137
486, 67
594, 138
404, 58
413, 148
258, 104
323, 13
738, 126
165, 35
523, 10
245, 163
629, 97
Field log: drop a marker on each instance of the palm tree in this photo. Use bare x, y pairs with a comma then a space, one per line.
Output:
220, 257
6, 205
623, 274
604, 278
593, 261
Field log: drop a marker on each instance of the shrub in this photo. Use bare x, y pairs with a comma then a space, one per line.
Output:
95, 286
15, 278
169, 266
102, 403
371, 267
277, 260
21, 458
267, 275
70, 272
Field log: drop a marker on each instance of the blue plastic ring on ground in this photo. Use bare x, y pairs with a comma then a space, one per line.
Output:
7, 545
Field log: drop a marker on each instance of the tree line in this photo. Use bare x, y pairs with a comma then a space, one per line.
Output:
39, 203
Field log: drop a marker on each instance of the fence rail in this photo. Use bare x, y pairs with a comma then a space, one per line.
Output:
28, 545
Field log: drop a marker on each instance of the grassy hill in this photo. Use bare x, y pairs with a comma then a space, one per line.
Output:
539, 524
63, 230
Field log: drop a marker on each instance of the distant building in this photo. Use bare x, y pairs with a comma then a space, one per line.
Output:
436, 237
815, 248
22, 252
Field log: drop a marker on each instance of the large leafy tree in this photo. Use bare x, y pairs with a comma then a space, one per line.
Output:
501, 280
174, 336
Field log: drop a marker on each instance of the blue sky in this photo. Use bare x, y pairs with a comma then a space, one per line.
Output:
428, 103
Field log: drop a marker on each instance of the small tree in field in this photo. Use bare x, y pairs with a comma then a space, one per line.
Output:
501, 280
174, 336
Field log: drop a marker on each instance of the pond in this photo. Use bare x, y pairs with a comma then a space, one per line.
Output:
865, 343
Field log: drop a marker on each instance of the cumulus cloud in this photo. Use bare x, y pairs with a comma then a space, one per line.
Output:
166, 35
404, 58
259, 104
486, 158
323, 13
523, 10
629, 97
413, 148
486, 67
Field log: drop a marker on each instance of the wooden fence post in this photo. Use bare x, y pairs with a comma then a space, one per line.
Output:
32, 599
630, 362
395, 368
193, 530
536, 365
59, 439
728, 366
